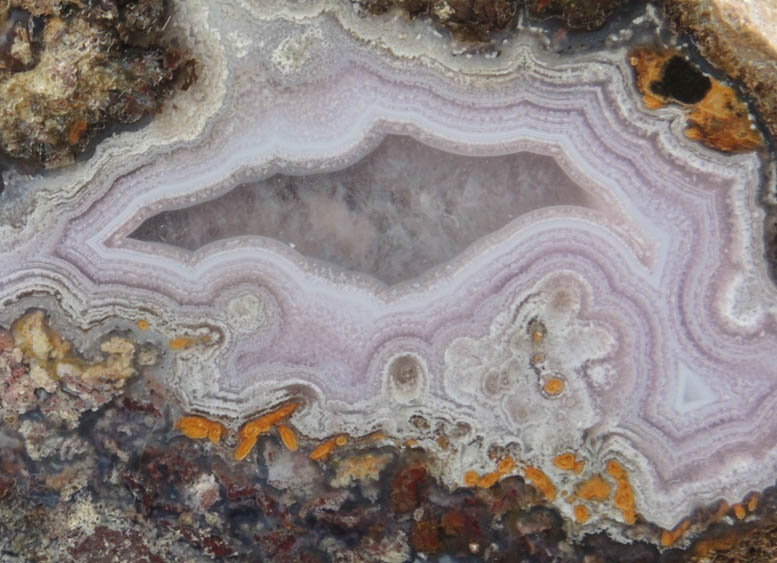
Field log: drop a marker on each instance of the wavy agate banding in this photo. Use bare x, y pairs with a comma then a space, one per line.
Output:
658, 308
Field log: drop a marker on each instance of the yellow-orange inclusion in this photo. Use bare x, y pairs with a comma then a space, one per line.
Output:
197, 427
181, 343
541, 481
669, 537
554, 386
594, 488
581, 514
568, 461
324, 450
288, 437
739, 511
251, 430
624, 494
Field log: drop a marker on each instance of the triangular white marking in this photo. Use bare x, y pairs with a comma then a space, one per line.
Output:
692, 391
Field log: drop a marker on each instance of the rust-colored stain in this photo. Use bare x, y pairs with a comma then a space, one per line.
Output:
77, 130
720, 119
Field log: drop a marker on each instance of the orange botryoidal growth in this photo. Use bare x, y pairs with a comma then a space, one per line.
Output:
250, 432
595, 488
198, 427
669, 537
540, 480
554, 386
568, 461
288, 437
325, 450
624, 494
581, 514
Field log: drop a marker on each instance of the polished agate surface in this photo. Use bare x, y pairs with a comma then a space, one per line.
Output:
349, 213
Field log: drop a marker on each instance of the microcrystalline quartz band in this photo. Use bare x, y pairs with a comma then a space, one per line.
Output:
657, 317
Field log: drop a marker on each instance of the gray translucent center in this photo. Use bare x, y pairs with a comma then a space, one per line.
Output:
401, 210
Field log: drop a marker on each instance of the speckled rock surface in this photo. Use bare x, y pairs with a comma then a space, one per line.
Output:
69, 71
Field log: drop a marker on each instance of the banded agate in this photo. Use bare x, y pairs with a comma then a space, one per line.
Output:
624, 314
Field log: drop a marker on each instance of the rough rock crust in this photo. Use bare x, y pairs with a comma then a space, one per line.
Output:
68, 71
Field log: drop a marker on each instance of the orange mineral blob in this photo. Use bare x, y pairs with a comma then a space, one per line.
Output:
554, 386
244, 448
215, 432
324, 450
251, 430
541, 481
507, 465
581, 514
752, 502
277, 415
181, 343
594, 488
143, 324
195, 427
288, 437
739, 511
568, 462
669, 537
489, 480
471, 478
624, 494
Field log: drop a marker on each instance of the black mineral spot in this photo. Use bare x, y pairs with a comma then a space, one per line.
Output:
682, 81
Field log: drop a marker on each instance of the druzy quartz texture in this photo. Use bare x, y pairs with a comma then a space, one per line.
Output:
345, 213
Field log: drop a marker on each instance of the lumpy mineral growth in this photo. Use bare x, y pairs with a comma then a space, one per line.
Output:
68, 71
353, 245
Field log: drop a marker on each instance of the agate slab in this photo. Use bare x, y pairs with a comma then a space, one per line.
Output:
544, 263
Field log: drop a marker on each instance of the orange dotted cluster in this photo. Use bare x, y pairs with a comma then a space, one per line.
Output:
198, 427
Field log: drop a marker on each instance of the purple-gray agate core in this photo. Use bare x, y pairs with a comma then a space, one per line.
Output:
346, 212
